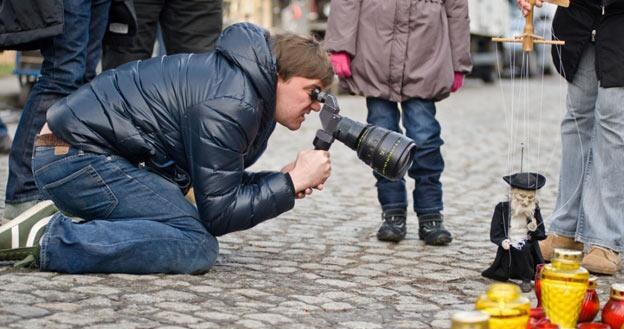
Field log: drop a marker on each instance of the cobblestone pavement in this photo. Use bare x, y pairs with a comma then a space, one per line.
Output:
320, 265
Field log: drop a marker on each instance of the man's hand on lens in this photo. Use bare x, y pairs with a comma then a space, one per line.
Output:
308, 191
310, 170
525, 5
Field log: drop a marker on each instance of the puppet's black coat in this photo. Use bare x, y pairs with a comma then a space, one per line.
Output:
514, 263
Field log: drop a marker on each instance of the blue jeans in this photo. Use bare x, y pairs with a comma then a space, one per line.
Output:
3, 128
135, 221
421, 126
69, 60
590, 204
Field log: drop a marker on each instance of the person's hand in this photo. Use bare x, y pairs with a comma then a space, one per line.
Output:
525, 5
288, 167
310, 170
302, 194
341, 62
506, 244
458, 81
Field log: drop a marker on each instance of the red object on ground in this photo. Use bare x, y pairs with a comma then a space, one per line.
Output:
547, 325
591, 304
592, 325
538, 283
537, 316
613, 311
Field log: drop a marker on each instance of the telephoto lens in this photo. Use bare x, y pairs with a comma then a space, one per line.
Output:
389, 153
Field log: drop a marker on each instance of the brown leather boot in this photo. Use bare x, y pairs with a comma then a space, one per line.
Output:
556, 241
602, 261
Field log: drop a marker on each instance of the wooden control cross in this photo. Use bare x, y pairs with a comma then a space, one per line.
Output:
528, 37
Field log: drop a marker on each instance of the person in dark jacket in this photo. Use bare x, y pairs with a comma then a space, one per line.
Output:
69, 60
121, 152
187, 26
588, 211
516, 228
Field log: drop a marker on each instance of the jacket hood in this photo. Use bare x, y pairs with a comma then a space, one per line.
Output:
248, 47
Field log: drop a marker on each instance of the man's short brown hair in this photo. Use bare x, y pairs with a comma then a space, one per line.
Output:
300, 56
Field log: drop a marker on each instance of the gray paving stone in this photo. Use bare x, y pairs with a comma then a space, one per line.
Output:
217, 316
6, 319
72, 319
205, 325
336, 307
336, 283
176, 317
174, 295
312, 299
42, 323
270, 318
143, 298
10, 298
25, 311
63, 307
360, 325
96, 290
251, 324
97, 301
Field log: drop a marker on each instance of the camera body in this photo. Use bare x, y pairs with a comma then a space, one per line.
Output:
389, 153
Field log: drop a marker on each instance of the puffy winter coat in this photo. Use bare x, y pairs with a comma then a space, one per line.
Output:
197, 117
401, 49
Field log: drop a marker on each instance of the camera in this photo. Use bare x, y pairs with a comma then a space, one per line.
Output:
389, 153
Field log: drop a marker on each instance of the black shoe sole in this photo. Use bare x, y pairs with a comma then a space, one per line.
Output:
390, 237
440, 240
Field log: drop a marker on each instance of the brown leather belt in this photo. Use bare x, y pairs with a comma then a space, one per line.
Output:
49, 140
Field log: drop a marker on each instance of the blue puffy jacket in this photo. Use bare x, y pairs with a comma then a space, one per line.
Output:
196, 118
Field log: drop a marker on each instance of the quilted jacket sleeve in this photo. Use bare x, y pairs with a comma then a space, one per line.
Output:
342, 26
219, 134
459, 34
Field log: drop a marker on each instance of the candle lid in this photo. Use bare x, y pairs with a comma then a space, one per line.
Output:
504, 292
568, 255
470, 320
617, 291
593, 282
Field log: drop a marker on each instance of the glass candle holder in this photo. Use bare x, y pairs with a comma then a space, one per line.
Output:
507, 308
613, 311
538, 283
564, 283
591, 304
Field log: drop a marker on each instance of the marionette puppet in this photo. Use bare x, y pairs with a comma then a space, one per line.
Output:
516, 228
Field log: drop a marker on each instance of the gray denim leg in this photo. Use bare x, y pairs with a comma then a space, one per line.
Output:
603, 191
576, 133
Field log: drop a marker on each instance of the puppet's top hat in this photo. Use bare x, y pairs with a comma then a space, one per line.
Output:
526, 180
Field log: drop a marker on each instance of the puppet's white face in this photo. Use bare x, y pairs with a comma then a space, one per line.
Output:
523, 202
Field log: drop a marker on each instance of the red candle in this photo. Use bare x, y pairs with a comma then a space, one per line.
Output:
536, 316
547, 325
613, 311
538, 283
591, 304
592, 325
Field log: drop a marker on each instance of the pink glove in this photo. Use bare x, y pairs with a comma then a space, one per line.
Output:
458, 82
341, 63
